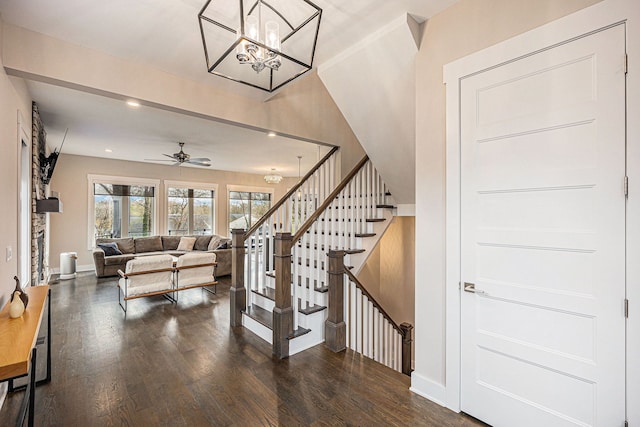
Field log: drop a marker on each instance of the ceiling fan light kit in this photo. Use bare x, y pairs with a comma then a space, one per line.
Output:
181, 157
263, 44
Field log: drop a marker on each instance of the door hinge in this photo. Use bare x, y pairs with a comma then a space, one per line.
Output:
626, 186
626, 308
626, 63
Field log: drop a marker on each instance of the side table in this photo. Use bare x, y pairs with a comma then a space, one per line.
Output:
18, 348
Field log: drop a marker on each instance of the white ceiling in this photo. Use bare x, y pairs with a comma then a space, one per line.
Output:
164, 34
97, 123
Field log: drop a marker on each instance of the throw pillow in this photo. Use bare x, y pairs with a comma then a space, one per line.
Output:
186, 243
214, 242
110, 249
224, 244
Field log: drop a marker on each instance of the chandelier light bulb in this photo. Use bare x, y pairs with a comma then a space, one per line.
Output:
272, 35
251, 27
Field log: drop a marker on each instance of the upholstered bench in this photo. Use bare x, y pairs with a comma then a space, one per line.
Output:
166, 274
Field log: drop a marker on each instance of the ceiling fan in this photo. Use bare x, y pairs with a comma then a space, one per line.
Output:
182, 157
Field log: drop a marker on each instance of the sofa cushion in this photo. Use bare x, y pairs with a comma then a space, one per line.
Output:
202, 243
214, 242
125, 244
118, 259
170, 243
186, 243
109, 249
148, 244
151, 254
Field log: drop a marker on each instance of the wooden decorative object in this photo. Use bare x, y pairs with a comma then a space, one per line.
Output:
23, 295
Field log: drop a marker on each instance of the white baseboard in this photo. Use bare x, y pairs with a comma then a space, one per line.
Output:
79, 268
428, 389
406, 210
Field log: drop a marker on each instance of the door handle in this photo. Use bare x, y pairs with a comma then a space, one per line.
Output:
471, 287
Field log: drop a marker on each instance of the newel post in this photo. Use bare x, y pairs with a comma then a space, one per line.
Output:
283, 311
406, 347
335, 329
237, 293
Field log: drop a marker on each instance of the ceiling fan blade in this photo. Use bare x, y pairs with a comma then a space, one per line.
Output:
200, 159
197, 163
169, 156
159, 160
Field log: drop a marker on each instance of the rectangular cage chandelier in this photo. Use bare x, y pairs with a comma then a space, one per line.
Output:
263, 44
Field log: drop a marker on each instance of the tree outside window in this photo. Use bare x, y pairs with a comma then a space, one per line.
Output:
190, 211
123, 210
245, 208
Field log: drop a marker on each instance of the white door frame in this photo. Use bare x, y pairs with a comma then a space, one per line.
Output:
23, 135
579, 24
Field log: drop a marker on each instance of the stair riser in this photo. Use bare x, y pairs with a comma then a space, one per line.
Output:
262, 301
315, 322
257, 328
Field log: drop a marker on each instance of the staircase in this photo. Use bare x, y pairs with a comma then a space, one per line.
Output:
281, 265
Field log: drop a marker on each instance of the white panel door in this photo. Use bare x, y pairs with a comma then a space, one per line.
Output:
543, 237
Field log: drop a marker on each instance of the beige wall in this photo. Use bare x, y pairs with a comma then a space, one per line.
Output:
13, 98
69, 229
388, 273
466, 27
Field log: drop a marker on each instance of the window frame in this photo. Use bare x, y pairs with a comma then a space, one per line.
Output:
246, 189
194, 186
118, 180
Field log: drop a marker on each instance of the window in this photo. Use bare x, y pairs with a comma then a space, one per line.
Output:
247, 207
122, 207
190, 210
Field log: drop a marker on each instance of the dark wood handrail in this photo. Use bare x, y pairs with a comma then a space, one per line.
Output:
375, 303
315, 215
284, 198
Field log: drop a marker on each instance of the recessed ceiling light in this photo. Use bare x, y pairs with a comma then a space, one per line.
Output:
132, 103
108, 150
271, 134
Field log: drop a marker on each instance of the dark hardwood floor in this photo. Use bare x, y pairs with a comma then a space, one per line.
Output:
182, 364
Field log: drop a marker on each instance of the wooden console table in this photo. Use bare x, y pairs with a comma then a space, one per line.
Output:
18, 341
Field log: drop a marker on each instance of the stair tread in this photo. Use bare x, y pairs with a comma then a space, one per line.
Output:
374, 219
313, 309
265, 317
385, 206
267, 292
365, 234
354, 251
298, 332
260, 315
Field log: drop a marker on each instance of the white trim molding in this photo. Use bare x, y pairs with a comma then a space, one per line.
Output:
193, 185
428, 389
579, 24
91, 178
